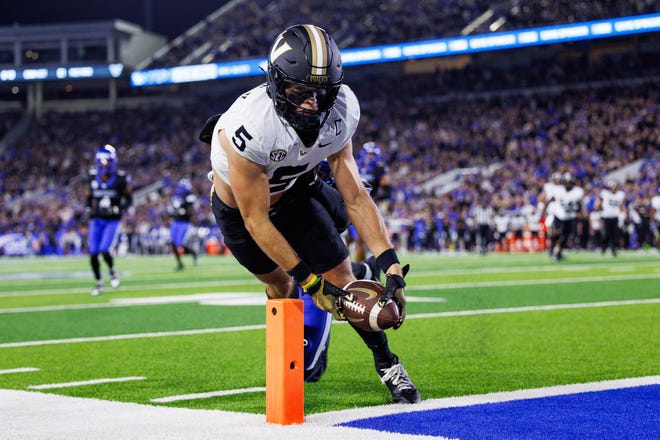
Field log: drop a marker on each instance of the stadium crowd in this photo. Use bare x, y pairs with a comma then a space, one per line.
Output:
508, 129
509, 145
245, 30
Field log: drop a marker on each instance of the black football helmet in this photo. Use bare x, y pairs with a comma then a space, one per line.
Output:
305, 55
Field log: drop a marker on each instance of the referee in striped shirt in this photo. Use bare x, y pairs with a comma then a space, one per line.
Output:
483, 217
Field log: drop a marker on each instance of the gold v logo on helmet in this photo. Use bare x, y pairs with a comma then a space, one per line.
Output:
279, 49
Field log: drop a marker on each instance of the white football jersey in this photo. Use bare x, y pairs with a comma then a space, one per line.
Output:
568, 202
655, 204
551, 191
611, 203
257, 133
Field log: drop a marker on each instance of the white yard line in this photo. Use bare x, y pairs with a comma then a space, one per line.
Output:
535, 308
435, 271
160, 286
134, 336
197, 396
49, 386
478, 284
126, 302
19, 370
263, 326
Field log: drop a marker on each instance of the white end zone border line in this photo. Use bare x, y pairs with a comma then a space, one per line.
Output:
38, 415
332, 418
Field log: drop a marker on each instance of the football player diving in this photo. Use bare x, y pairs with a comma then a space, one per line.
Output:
271, 209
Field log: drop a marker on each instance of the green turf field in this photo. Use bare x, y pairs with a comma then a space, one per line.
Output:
476, 324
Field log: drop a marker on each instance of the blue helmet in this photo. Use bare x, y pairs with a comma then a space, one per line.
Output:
106, 161
369, 156
183, 187
371, 148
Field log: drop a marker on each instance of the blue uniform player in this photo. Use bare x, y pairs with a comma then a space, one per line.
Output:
374, 175
181, 208
109, 197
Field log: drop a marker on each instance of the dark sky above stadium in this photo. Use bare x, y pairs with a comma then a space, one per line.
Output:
167, 17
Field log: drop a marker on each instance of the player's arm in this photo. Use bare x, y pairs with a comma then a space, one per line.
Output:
370, 225
360, 206
89, 203
249, 186
127, 196
598, 204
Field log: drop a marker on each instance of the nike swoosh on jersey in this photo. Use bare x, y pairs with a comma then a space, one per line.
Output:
324, 145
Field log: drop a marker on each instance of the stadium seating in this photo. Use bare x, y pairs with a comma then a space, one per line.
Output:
246, 28
574, 113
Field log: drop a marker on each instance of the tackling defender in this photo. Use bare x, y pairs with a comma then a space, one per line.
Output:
109, 197
264, 150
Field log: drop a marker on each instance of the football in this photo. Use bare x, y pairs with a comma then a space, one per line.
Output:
364, 312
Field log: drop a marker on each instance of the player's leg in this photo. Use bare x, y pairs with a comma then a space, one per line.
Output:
93, 240
388, 365
278, 285
108, 238
323, 250
189, 246
317, 339
177, 233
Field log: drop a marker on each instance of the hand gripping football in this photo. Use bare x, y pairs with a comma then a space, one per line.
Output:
364, 311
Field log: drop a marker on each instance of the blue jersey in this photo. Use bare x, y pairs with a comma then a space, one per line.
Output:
181, 206
110, 198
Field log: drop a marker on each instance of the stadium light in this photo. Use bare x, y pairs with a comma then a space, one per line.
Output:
61, 73
423, 49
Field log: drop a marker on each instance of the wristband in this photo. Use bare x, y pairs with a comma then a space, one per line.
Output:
315, 279
386, 259
300, 272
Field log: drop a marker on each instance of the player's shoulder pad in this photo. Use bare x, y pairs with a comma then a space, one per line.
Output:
348, 107
121, 174
207, 130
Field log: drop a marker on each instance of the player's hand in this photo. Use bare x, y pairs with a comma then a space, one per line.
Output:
395, 290
327, 296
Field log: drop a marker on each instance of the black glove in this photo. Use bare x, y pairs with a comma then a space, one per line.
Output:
394, 290
326, 296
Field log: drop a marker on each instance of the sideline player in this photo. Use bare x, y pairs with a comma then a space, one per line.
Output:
181, 209
274, 226
548, 207
611, 204
109, 197
569, 202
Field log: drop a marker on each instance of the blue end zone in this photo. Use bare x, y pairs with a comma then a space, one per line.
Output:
630, 413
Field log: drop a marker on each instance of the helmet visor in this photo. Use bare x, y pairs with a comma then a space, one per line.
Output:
310, 99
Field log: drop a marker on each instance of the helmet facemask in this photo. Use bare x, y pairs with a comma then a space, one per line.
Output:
106, 162
304, 62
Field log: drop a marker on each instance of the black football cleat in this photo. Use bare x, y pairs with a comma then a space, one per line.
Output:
395, 377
